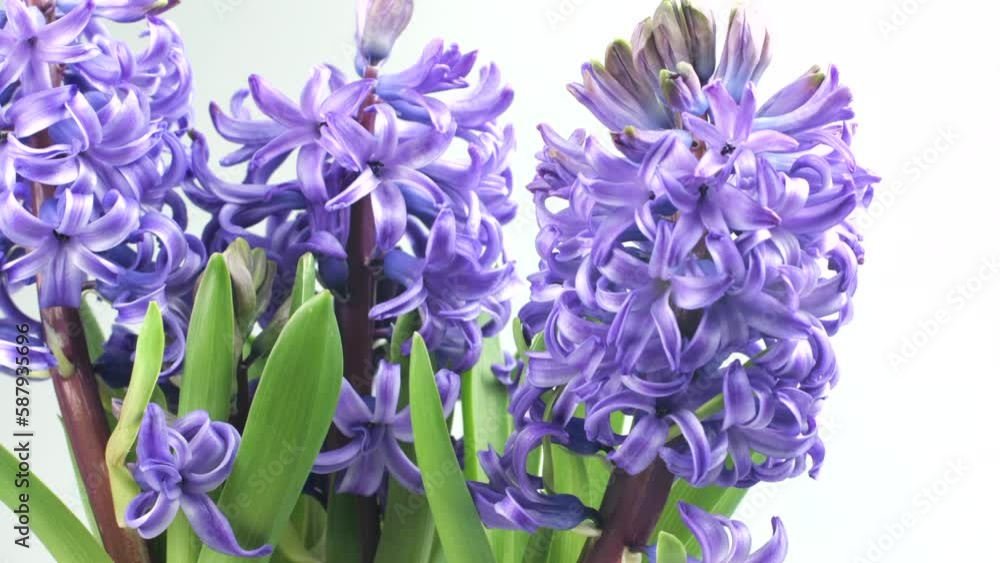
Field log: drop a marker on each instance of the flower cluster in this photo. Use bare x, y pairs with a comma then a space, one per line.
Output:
692, 274
422, 145
91, 162
177, 466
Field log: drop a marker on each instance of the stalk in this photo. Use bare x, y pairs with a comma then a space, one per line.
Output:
358, 330
629, 512
83, 415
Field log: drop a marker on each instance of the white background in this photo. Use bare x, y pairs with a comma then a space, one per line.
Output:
912, 443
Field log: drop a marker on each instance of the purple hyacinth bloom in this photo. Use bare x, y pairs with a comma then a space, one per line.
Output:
66, 243
412, 92
30, 45
380, 23
692, 276
161, 72
321, 125
177, 465
374, 427
730, 138
94, 149
727, 541
393, 171
454, 281
512, 499
39, 358
414, 143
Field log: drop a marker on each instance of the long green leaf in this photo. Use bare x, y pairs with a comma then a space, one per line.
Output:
145, 372
408, 528
343, 529
285, 429
210, 362
538, 546
51, 521
484, 409
455, 516
209, 372
566, 472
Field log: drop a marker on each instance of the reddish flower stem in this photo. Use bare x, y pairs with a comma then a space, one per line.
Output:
358, 330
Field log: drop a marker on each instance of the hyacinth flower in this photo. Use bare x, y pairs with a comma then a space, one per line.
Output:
511, 499
177, 466
375, 428
31, 44
692, 274
66, 242
410, 153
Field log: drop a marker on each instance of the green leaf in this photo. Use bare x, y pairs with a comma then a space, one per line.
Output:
66, 538
210, 363
520, 344
408, 528
252, 276
566, 472
145, 372
455, 515
288, 421
209, 373
305, 281
669, 549
343, 529
484, 409
304, 539
538, 546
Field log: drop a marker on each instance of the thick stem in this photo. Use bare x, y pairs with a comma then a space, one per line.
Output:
85, 423
629, 511
358, 330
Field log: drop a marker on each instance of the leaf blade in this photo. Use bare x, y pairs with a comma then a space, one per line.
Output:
53, 523
210, 345
455, 516
287, 424
145, 373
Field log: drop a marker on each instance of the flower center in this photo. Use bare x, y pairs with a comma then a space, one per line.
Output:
376, 167
728, 149
59, 236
